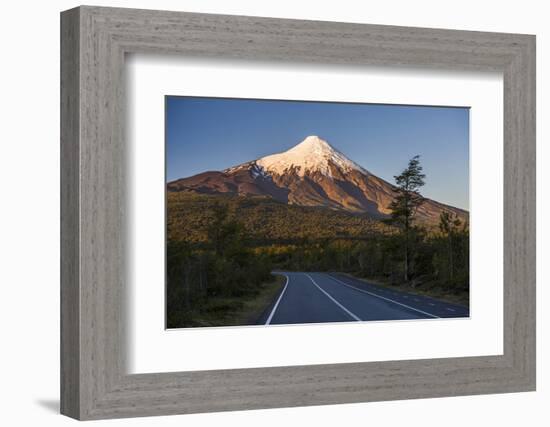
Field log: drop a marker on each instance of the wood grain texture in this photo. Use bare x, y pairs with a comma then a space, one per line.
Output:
70, 333
94, 272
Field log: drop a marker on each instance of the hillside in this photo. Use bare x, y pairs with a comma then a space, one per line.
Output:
263, 218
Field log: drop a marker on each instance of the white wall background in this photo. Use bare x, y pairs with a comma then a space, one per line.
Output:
29, 224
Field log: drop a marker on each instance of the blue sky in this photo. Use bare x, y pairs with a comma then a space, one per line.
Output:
215, 133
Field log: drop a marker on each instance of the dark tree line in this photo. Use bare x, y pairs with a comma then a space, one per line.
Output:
448, 250
226, 267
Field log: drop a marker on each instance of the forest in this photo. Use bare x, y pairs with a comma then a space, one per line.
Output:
222, 249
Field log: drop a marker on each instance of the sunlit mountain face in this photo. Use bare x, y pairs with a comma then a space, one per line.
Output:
312, 173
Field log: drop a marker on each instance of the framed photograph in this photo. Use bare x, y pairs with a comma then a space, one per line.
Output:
262, 213
283, 238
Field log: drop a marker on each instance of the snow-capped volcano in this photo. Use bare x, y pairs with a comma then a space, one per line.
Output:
313, 154
312, 173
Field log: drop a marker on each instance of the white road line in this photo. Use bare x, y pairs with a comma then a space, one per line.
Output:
277, 303
432, 304
450, 309
384, 298
353, 316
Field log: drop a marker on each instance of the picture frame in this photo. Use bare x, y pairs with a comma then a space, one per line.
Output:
94, 381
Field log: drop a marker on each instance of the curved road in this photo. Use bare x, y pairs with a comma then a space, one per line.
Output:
324, 297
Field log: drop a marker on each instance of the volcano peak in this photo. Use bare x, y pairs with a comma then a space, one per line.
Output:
314, 141
313, 154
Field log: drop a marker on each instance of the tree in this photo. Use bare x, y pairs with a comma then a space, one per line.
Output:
405, 204
449, 225
224, 233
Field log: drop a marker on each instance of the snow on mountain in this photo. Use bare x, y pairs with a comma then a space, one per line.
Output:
312, 173
313, 154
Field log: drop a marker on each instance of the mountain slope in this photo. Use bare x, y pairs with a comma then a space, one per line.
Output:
312, 173
264, 220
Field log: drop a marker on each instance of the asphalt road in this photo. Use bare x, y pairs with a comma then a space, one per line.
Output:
324, 297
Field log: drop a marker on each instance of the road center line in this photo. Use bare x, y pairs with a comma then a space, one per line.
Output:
384, 298
277, 303
349, 313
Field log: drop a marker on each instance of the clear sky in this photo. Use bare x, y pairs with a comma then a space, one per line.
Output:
205, 134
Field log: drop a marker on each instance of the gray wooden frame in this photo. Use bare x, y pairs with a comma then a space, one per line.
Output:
94, 41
